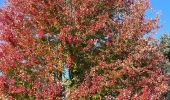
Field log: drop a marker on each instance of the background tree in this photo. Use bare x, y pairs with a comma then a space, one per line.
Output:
165, 48
100, 42
165, 41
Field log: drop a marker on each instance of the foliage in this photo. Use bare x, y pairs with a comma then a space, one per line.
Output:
165, 42
100, 42
165, 48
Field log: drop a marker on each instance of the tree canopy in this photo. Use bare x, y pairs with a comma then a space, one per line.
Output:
99, 45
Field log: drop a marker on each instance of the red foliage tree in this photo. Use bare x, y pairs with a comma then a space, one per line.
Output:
100, 42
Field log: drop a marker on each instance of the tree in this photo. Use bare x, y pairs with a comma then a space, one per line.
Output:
165, 48
100, 42
165, 42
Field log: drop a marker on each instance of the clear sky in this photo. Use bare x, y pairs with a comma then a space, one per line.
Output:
1, 2
162, 6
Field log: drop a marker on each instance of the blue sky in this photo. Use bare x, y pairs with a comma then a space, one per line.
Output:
1, 2
162, 6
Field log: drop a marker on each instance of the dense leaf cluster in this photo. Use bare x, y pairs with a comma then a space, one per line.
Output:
79, 50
